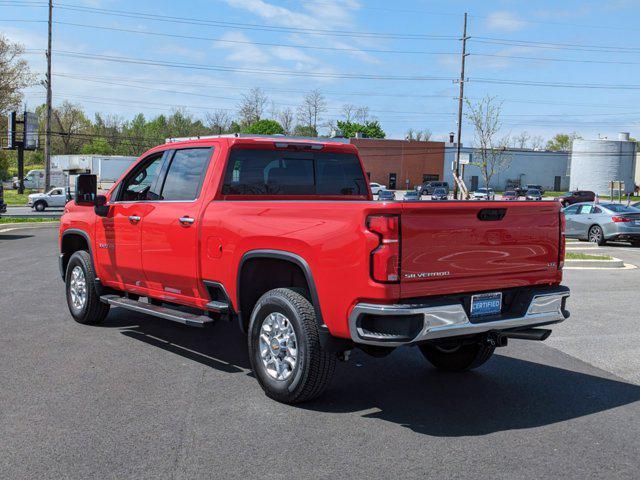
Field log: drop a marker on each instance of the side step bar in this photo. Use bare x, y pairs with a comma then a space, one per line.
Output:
157, 311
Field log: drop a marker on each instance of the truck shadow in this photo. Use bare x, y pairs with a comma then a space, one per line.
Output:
505, 394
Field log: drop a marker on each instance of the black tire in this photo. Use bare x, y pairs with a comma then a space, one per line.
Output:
40, 206
92, 311
457, 358
314, 368
596, 235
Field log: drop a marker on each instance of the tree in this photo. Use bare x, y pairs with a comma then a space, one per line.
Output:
97, 146
369, 129
349, 112
286, 118
265, 127
305, 131
69, 127
418, 135
537, 142
562, 142
491, 154
521, 140
252, 106
14, 74
218, 121
311, 110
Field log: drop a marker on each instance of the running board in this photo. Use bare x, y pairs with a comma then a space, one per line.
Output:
157, 311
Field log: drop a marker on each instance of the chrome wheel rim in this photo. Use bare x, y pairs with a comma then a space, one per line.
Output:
78, 288
595, 235
278, 346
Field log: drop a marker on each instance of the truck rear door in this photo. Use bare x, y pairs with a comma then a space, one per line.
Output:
477, 246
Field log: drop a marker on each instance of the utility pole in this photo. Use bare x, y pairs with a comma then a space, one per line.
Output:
47, 127
460, 105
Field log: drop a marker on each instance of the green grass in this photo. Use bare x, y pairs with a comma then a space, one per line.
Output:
27, 220
11, 197
586, 256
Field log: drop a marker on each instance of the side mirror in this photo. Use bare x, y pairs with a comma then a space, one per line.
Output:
86, 189
101, 207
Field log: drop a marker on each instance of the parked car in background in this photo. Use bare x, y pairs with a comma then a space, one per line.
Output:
510, 195
577, 196
376, 187
427, 188
522, 191
484, 194
54, 198
3, 206
603, 222
534, 195
411, 195
386, 195
439, 194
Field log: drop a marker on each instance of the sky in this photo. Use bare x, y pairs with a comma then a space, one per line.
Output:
554, 66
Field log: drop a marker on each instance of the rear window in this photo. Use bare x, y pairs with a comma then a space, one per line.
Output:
619, 208
276, 172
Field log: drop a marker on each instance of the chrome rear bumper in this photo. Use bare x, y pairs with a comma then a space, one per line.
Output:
451, 320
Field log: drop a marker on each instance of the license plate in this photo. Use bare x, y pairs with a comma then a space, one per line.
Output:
486, 304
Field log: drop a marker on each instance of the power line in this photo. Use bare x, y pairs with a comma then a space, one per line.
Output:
223, 68
248, 26
241, 42
555, 46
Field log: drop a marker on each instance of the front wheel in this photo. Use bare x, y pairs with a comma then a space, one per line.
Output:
285, 350
40, 206
457, 357
82, 296
596, 235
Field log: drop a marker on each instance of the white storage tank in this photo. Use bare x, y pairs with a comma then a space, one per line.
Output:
595, 163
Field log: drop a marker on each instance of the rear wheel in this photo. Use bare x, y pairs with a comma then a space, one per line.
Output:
457, 357
596, 235
82, 296
285, 350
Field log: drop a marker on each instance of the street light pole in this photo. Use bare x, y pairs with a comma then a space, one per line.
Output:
47, 139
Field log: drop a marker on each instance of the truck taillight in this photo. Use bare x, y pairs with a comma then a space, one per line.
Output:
385, 258
561, 248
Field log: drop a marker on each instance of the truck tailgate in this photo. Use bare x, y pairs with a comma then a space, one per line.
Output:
452, 247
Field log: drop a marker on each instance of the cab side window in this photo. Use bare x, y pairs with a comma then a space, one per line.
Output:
142, 183
186, 174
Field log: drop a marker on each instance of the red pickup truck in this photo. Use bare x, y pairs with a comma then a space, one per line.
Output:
283, 236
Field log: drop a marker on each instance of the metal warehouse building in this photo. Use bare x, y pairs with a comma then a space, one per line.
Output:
523, 166
595, 163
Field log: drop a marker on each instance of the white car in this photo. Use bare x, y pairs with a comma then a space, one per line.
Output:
484, 194
376, 187
56, 197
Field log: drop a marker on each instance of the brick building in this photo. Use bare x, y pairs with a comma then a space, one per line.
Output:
401, 164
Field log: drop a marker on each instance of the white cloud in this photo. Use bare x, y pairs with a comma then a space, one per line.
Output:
504, 21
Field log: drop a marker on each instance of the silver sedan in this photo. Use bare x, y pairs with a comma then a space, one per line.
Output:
602, 222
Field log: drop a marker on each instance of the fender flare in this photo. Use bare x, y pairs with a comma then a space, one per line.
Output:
83, 234
292, 258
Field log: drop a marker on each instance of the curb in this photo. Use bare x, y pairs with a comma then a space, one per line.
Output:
613, 263
8, 227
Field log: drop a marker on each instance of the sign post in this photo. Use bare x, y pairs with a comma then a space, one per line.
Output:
27, 141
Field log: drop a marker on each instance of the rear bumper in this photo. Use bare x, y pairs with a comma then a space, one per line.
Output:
401, 324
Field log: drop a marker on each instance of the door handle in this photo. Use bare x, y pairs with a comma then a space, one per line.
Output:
134, 218
186, 221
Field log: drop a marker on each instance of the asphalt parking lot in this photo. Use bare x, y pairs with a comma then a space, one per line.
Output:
139, 397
